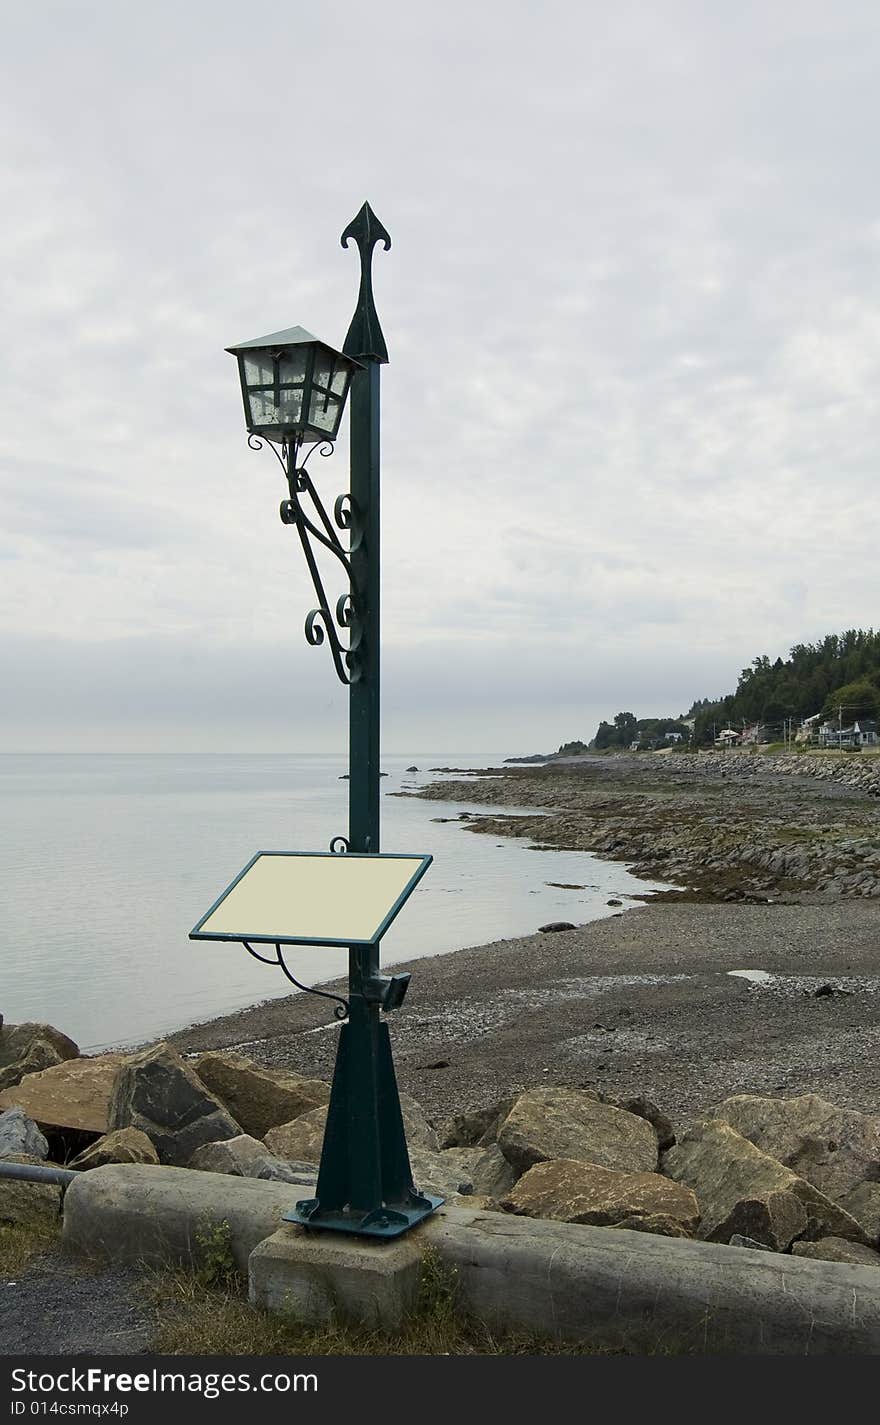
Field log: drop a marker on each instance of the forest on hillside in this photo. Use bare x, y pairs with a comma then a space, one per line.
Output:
838, 677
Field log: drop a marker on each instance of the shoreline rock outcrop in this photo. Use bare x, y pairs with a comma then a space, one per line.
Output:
258, 1098
158, 1093
28, 1048
745, 1192
723, 826
553, 1123
572, 1191
798, 1175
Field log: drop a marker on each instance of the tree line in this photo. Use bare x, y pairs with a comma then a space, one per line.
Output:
838, 677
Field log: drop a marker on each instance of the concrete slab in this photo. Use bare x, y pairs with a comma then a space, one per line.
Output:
648, 1294
316, 1276
136, 1212
608, 1286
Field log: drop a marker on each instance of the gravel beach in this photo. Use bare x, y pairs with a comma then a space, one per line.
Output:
645, 1000
641, 1001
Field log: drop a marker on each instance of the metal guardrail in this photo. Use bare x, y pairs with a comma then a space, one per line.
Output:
34, 1173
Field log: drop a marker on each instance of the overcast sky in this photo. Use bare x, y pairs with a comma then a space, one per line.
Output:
630, 422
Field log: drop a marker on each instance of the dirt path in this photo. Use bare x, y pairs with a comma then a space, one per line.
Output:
58, 1307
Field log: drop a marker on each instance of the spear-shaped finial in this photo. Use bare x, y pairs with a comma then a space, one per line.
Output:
365, 339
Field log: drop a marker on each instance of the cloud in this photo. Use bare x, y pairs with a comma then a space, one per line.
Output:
631, 417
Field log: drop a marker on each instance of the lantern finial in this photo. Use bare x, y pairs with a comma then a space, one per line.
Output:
365, 340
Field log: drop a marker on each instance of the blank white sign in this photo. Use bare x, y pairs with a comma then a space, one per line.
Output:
296, 898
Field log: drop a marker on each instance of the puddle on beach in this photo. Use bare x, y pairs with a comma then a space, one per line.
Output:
789, 985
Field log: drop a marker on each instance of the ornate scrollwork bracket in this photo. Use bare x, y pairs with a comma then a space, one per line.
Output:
314, 526
343, 1008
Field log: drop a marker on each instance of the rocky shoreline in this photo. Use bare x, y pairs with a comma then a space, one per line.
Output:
796, 1175
686, 1002
729, 826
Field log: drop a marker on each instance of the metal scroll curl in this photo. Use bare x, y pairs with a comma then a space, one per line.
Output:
315, 528
343, 1007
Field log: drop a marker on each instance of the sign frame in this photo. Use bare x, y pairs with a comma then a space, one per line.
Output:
241, 937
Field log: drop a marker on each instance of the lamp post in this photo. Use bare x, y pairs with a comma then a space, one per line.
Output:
294, 389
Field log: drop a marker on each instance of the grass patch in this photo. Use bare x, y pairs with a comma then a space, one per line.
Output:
19, 1245
201, 1319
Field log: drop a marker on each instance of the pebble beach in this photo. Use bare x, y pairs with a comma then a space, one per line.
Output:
743, 982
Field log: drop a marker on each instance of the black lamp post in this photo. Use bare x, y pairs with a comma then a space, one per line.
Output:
294, 389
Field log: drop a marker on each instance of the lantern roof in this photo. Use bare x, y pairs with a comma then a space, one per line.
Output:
293, 336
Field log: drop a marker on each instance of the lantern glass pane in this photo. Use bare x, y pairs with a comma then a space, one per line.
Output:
330, 378
330, 373
274, 383
290, 410
325, 411
262, 408
324, 365
258, 368
292, 366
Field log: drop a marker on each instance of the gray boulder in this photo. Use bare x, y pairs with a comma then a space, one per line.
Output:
476, 1125
644, 1107
246, 1157
475, 1171
834, 1148
744, 1191
33, 1205
490, 1172
300, 1140
258, 1098
124, 1145
29, 1048
39, 1055
74, 1094
446, 1172
20, 1135
545, 1124
158, 1093
863, 1203
303, 1138
572, 1191
837, 1249
418, 1129
16, 1040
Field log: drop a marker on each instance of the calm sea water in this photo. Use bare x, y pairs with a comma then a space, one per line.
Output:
108, 861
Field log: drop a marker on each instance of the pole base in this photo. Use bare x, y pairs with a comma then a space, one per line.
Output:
389, 1221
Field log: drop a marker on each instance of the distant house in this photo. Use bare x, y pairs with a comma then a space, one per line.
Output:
808, 729
858, 735
673, 737
728, 737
